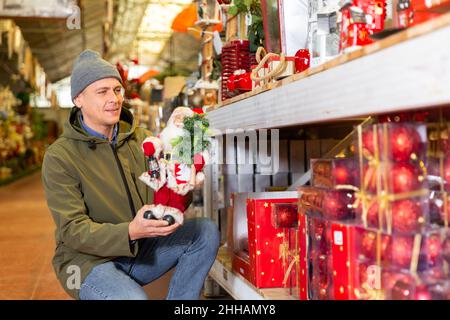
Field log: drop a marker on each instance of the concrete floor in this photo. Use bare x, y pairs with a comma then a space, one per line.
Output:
27, 246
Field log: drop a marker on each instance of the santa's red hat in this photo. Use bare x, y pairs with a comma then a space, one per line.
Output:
152, 146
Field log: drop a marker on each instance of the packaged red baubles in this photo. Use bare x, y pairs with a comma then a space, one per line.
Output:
375, 11
392, 191
334, 173
400, 267
354, 29
405, 14
333, 205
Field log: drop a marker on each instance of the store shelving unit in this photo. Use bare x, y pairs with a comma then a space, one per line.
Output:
238, 287
406, 71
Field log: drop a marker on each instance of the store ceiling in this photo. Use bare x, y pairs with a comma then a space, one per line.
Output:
141, 29
56, 47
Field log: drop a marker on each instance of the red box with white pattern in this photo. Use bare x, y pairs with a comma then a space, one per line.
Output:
265, 242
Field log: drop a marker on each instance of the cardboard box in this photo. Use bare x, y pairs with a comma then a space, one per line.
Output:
280, 179
262, 182
297, 156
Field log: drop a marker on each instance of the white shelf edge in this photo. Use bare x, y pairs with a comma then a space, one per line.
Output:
238, 288
409, 75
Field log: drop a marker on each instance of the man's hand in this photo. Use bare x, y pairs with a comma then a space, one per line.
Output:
144, 228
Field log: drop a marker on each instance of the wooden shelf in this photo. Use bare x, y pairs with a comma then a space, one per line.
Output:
237, 286
408, 70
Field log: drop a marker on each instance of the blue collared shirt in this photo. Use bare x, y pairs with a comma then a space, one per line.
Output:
94, 133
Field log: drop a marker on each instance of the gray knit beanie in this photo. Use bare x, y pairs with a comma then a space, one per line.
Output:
88, 68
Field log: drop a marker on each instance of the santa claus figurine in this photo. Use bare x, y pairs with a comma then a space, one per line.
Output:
171, 179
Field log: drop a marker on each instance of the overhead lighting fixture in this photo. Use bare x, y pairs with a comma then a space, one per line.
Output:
155, 29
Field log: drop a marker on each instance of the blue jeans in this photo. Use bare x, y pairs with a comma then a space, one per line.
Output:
192, 248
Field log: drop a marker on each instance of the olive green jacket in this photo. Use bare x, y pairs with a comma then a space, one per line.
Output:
93, 193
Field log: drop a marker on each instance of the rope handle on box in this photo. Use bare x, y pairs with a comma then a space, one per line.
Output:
261, 52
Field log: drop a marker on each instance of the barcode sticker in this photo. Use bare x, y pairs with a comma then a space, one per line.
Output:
338, 238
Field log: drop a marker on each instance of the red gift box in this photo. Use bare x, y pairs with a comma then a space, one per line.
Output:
354, 29
284, 215
302, 248
375, 11
343, 253
437, 6
238, 243
239, 82
240, 264
425, 10
405, 14
265, 241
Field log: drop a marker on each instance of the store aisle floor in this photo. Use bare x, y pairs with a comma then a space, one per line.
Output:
27, 245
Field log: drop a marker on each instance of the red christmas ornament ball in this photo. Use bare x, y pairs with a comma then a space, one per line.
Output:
406, 215
373, 215
402, 291
370, 180
401, 251
368, 142
422, 293
404, 177
432, 250
399, 286
404, 143
368, 244
286, 216
337, 205
343, 172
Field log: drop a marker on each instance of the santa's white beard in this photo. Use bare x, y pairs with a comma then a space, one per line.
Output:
169, 134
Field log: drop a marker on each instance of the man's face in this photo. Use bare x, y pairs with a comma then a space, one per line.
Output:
101, 103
